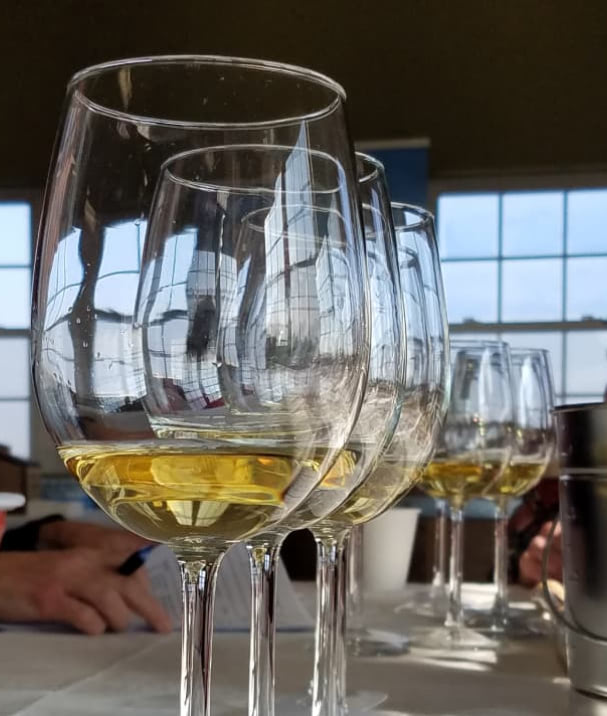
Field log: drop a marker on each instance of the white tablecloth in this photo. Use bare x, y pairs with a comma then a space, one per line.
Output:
46, 674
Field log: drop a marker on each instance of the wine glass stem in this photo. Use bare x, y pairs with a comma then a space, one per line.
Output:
439, 567
500, 571
353, 556
263, 560
324, 694
455, 612
341, 655
198, 579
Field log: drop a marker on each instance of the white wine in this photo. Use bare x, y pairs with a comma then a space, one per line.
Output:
517, 479
333, 489
170, 492
389, 482
460, 480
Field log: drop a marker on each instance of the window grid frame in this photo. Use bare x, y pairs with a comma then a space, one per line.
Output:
33, 198
564, 326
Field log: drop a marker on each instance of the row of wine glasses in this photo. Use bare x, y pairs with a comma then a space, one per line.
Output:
496, 443
230, 339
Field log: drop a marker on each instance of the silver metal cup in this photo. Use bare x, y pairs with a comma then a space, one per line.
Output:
582, 443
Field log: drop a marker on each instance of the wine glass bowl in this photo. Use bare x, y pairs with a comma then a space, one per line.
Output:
196, 418
533, 447
473, 451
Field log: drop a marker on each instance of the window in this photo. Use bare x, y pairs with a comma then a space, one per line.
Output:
531, 267
16, 223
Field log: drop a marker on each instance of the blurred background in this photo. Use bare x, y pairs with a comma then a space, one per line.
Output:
491, 113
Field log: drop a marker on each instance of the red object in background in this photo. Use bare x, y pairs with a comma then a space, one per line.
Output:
9, 501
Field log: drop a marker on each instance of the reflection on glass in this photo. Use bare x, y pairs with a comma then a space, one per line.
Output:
16, 232
586, 362
15, 426
468, 225
586, 294
532, 290
14, 297
14, 369
121, 248
532, 223
550, 341
586, 221
471, 290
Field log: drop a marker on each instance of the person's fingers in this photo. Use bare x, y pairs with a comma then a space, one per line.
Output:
530, 563
547, 527
555, 566
112, 557
537, 545
108, 601
530, 572
60, 607
123, 541
143, 603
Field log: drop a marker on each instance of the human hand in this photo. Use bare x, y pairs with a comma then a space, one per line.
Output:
76, 586
530, 562
64, 534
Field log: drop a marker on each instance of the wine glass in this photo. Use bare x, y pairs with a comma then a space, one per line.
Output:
143, 428
474, 449
533, 448
423, 410
427, 380
374, 427
419, 224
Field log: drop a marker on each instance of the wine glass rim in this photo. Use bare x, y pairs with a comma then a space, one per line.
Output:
524, 349
425, 217
473, 342
374, 172
215, 186
246, 63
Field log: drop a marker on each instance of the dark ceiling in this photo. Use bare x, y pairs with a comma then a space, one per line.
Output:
497, 85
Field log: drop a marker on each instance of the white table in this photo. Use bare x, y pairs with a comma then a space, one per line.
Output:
45, 674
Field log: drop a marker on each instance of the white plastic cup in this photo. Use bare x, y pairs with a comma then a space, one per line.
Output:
387, 548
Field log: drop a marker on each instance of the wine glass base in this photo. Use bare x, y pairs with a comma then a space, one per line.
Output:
516, 625
357, 703
431, 608
454, 639
375, 642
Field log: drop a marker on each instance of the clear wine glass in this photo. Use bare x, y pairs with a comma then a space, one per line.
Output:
423, 410
533, 448
374, 427
473, 451
426, 396
148, 430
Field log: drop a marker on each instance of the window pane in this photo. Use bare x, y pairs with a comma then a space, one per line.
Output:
14, 368
586, 362
15, 426
587, 221
471, 290
468, 225
532, 223
15, 233
14, 298
552, 342
586, 288
532, 290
